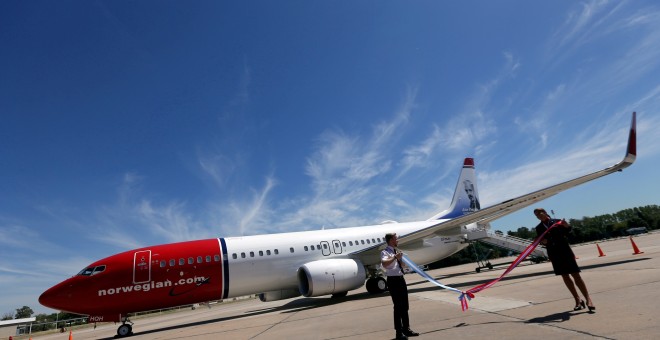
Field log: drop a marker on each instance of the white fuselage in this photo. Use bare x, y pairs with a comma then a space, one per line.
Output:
270, 262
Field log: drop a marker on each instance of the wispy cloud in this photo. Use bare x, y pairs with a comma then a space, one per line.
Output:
249, 215
133, 210
343, 169
580, 26
418, 155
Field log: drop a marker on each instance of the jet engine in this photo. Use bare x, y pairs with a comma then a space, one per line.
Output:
330, 277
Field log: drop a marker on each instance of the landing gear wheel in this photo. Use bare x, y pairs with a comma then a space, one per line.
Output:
381, 284
124, 330
372, 288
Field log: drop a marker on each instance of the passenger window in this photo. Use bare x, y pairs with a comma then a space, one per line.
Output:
233, 256
368, 242
277, 252
163, 263
312, 247
216, 258
350, 243
242, 255
251, 254
373, 240
268, 252
208, 257
199, 259
261, 253
343, 244
379, 240
191, 260
306, 248
291, 249
172, 263
362, 241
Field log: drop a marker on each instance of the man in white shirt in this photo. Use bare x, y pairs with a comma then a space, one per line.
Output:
390, 259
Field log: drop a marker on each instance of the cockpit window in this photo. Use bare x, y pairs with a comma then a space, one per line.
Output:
92, 270
98, 269
86, 271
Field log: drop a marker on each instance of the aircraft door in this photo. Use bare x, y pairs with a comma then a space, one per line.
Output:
142, 266
325, 248
336, 246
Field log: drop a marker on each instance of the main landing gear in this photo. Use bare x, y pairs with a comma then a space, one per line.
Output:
125, 329
376, 285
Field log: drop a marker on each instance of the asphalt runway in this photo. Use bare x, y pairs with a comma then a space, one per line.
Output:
531, 302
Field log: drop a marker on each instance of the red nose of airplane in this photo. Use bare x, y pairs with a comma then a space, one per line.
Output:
58, 297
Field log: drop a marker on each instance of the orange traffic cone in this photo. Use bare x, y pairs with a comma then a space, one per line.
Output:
600, 251
70, 335
635, 249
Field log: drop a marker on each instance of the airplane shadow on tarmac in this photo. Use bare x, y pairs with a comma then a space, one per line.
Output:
311, 303
293, 306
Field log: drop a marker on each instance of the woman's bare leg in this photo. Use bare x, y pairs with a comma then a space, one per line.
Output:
583, 288
571, 287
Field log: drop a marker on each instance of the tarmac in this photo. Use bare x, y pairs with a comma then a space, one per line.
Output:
530, 302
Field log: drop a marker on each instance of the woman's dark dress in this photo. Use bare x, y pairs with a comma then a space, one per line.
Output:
559, 251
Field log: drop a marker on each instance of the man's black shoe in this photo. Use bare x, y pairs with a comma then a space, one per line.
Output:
400, 336
410, 332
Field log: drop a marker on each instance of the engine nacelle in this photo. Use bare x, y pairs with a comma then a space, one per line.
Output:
330, 276
275, 295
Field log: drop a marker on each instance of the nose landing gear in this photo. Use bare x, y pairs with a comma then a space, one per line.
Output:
125, 329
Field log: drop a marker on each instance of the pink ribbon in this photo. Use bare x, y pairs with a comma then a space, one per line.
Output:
469, 294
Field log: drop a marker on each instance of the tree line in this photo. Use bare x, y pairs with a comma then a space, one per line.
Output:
44, 321
605, 226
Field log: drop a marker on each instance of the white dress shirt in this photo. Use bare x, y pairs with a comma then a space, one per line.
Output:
393, 269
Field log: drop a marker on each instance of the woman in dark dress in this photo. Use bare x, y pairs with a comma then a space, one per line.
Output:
562, 257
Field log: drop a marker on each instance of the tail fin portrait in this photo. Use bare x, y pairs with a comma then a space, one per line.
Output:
466, 196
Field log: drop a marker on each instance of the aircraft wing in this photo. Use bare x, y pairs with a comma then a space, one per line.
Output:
504, 208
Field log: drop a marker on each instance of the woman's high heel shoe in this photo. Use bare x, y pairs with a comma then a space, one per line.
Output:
591, 308
580, 305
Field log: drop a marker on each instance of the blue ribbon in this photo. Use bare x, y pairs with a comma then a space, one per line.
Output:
428, 277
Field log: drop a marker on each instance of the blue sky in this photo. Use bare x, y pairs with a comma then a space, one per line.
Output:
126, 124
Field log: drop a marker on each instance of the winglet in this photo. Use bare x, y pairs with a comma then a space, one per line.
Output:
632, 142
632, 139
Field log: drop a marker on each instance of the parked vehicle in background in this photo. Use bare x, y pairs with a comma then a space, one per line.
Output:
637, 230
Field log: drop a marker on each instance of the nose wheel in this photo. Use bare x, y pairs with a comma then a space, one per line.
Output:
125, 329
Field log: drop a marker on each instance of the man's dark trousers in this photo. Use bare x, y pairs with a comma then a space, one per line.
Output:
399, 292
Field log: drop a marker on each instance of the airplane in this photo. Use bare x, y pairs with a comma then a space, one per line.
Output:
284, 265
